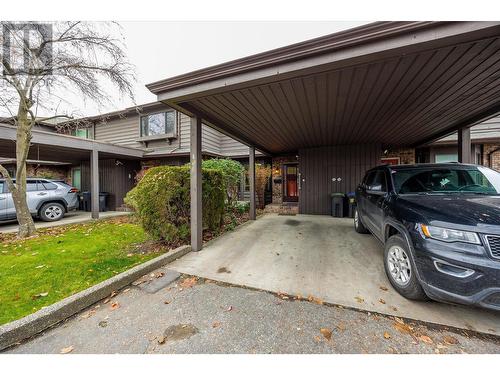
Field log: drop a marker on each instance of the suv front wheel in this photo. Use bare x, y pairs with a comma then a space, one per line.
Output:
400, 269
52, 211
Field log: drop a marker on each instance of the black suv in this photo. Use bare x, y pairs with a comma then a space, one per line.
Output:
440, 225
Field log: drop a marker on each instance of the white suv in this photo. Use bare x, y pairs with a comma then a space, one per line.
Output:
48, 200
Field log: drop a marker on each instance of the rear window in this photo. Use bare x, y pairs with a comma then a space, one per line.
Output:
49, 185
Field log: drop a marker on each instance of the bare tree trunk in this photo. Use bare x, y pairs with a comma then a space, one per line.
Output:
24, 218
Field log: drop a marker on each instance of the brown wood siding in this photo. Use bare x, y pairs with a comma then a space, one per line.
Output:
117, 180
318, 166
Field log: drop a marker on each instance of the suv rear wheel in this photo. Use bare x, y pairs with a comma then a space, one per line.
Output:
358, 225
52, 211
400, 269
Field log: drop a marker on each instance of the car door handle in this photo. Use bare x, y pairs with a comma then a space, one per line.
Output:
42, 194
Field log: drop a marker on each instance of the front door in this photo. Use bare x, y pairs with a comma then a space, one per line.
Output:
290, 182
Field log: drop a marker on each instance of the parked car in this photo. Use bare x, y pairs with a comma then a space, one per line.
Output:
48, 200
440, 226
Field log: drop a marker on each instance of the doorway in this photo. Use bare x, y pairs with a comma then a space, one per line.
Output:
290, 182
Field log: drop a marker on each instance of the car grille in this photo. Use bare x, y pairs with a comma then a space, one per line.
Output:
494, 246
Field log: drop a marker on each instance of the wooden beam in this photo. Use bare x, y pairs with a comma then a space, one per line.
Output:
251, 179
464, 146
94, 183
196, 179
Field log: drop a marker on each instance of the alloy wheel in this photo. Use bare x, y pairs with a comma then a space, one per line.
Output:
53, 212
399, 265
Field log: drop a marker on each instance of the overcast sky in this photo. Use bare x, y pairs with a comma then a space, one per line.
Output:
164, 49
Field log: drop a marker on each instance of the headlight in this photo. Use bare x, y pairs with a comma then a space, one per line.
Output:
449, 235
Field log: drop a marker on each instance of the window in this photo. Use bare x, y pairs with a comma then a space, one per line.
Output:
159, 124
31, 186
1, 187
49, 185
446, 158
76, 179
376, 181
446, 180
81, 133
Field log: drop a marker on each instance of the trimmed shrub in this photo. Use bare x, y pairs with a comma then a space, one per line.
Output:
161, 200
232, 172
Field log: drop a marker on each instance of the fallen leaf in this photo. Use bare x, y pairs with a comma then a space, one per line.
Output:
327, 333
166, 302
387, 335
230, 308
283, 295
450, 340
426, 339
113, 293
317, 338
341, 327
161, 340
399, 320
381, 301
188, 282
403, 328
67, 350
384, 288
215, 324
114, 306
359, 299
315, 300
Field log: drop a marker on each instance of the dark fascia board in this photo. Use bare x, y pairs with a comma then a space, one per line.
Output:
343, 47
283, 54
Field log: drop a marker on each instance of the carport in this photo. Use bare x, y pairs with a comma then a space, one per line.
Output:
337, 102
53, 147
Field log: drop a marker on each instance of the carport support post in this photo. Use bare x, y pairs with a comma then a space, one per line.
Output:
94, 183
196, 179
464, 146
251, 179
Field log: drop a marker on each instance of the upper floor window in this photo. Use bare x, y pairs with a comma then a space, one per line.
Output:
163, 123
81, 133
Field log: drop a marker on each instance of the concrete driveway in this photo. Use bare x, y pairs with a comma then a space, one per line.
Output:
73, 217
323, 258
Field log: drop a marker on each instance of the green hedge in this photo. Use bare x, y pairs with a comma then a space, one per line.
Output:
161, 200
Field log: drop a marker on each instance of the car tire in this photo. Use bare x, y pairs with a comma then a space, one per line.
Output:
358, 224
400, 269
52, 211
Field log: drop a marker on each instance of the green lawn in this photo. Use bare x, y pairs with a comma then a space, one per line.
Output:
62, 261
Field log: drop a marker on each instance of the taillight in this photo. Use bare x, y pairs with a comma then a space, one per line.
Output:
73, 190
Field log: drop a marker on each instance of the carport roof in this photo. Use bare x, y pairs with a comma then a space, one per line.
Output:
395, 83
56, 147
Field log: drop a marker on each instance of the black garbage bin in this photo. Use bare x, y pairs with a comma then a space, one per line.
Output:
338, 204
103, 201
351, 203
86, 201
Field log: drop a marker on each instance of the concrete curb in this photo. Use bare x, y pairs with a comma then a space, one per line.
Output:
37, 322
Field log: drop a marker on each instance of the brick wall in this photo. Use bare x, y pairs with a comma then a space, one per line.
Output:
406, 155
277, 173
489, 154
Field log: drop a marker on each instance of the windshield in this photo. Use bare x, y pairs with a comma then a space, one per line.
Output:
443, 180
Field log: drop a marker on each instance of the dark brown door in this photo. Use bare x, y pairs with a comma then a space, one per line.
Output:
290, 183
